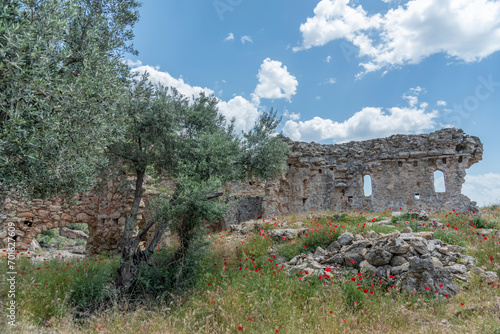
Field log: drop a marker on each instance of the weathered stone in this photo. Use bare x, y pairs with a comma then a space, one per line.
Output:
457, 269
407, 230
353, 258
319, 252
286, 234
419, 244
398, 260
25, 215
378, 257
334, 246
425, 235
451, 249
34, 246
73, 234
400, 269
336, 259
489, 277
345, 239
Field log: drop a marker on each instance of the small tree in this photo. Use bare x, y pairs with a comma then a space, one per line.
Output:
196, 146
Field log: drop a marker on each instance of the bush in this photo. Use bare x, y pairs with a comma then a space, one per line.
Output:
405, 217
164, 278
480, 222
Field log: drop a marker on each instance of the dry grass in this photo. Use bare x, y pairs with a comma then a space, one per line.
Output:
266, 302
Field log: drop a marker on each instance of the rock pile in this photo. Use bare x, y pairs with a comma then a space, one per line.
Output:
413, 261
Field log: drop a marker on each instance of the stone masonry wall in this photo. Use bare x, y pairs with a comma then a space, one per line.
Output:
401, 167
104, 209
319, 178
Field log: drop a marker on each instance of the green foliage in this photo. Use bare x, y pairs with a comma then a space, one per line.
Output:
308, 243
353, 296
61, 75
195, 145
450, 238
165, 277
78, 226
404, 217
255, 247
321, 238
480, 222
53, 289
93, 288
51, 238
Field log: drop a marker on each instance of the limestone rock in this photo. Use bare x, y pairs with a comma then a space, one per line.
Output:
378, 257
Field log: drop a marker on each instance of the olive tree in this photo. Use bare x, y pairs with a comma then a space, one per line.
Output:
61, 76
192, 143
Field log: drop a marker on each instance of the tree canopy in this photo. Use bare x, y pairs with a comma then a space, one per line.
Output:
61, 76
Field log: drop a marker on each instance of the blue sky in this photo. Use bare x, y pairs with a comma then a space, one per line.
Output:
337, 70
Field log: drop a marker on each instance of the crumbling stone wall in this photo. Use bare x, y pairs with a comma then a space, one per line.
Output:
319, 177
103, 209
401, 167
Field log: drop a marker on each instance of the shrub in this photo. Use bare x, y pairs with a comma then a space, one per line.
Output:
405, 217
480, 222
163, 278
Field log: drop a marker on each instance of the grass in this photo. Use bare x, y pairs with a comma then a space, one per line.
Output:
239, 284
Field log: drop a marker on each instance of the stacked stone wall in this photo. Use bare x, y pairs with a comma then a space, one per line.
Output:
103, 209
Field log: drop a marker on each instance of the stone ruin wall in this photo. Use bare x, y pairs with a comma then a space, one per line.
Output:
103, 209
319, 178
401, 167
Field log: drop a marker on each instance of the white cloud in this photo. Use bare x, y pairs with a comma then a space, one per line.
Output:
468, 30
244, 111
229, 37
412, 100
370, 122
328, 59
441, 103
484, 189
132, 63
164, 78
246, 39
274, 81
293, 116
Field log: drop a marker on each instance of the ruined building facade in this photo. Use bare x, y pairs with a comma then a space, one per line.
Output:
319, 177
401, 169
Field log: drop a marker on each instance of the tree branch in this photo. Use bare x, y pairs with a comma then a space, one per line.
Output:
215, 195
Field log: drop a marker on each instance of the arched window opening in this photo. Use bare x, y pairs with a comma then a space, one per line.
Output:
367, 185
439, 184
